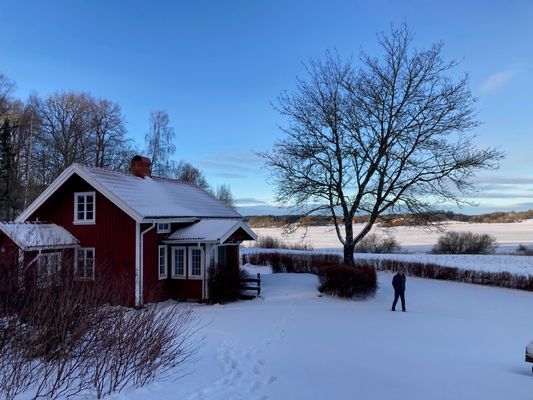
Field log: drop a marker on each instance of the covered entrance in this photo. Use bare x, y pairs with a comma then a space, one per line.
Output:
196, 248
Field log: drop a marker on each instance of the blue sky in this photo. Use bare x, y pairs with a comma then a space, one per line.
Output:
216, 66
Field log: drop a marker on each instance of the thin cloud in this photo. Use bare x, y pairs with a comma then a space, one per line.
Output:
250, 201
503, 180
229, 175
498, 80
217, 166
500, 195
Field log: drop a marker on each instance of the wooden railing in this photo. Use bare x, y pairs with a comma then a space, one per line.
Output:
252, 284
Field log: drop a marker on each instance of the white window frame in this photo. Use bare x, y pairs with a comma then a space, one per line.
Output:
173, 272
76, 266
202, 263
163, 275
47, 281
163, 230
77, 195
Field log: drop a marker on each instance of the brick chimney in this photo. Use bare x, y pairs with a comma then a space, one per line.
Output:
140, 166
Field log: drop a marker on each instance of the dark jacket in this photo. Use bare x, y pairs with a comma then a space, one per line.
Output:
398, 282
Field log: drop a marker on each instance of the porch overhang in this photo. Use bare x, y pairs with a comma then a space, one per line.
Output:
33, 236
217, 231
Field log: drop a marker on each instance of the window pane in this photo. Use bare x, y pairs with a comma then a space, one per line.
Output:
89, 268
196, 266
89, 215
179, 262
162, 261
81, 206
89, 207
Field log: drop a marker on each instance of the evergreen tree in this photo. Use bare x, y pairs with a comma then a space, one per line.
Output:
6, 172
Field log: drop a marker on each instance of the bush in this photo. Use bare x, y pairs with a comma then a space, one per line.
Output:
374, 244
465, 243
346, 281
66, 339
313, 262
522, 250
292, 263
224, 284
269, 242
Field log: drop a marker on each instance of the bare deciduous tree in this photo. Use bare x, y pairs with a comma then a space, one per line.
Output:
186, 172
393, 134
223, 193
6, 90
160, 144
63, 133
107, 126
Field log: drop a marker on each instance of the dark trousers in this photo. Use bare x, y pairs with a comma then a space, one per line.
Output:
401, 295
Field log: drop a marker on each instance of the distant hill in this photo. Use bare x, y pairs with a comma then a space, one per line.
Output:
269, 221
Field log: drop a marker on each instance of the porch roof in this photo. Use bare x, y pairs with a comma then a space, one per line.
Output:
30, 236
211, 230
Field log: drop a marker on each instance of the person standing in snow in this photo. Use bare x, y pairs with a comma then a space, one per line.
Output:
398, 283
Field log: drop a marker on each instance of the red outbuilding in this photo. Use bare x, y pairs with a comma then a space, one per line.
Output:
158, 236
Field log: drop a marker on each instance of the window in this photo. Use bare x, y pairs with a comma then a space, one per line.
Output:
48, 265
84, 266
84, 210
178, 262
162, 262
196, 262
163, 227
213, 256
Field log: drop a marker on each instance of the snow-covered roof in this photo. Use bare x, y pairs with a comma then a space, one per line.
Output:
210, 230
143, 198
38, 236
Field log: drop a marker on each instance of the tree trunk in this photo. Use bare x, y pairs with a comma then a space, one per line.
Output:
349, 244
348, 254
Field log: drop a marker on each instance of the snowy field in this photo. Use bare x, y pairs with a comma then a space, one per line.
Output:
457, 341
413, 239
417, 242
519, 265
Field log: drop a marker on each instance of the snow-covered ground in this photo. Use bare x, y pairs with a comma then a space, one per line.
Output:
414, 239
457, 341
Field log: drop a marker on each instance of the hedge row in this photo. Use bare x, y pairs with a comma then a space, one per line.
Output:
291, 262
311, 263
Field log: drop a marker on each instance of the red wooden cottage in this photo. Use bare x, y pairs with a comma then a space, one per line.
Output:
159, 236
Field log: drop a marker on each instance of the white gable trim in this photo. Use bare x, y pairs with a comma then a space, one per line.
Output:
207, 234
61, 179
242, 225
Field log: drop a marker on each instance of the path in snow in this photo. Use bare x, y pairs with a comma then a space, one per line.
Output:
456, 341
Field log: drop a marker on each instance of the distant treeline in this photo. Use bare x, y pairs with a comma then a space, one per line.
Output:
267, 221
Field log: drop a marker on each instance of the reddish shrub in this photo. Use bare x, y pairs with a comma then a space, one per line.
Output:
347, 281
312, 263
292, 262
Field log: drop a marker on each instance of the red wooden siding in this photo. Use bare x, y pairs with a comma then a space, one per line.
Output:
180, 288
8, 251
112, 236
154, 289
